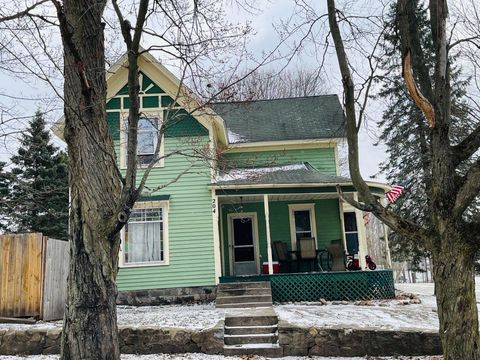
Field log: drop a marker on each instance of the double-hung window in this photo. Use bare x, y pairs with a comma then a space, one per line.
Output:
351, 231
302, 222
145, 237
147, 135
147, 139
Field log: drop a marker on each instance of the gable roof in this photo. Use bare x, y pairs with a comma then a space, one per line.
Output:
297, 173
300, 118
116, 77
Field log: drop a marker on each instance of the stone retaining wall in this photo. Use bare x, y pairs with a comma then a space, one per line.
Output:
181, 295
140, 340
297, 341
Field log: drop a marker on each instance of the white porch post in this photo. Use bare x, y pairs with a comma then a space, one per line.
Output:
269, 240
362, 236
216, 238
387, 245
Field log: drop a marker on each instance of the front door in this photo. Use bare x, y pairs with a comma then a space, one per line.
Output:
243, 245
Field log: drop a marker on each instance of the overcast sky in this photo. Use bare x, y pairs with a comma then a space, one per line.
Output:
272, 12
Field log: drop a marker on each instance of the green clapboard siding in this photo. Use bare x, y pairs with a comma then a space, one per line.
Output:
190, 227
321, 158
113, 119
327, 217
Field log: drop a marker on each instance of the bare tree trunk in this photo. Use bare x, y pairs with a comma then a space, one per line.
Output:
90, 324
454, 275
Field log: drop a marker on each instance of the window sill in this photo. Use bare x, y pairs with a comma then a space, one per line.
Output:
140, 167
150, 264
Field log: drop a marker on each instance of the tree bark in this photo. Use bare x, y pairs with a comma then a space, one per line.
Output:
90, 323
454, 279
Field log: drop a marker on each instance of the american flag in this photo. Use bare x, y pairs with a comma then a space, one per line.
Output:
397, 191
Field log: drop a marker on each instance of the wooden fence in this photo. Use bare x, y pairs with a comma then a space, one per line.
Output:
33, 272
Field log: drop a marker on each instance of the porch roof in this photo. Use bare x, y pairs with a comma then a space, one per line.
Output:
296, 173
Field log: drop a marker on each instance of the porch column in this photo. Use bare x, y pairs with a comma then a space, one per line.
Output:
362, 236
216, 238
269, 240
385, 232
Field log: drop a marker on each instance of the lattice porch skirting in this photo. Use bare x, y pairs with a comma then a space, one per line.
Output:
342, 285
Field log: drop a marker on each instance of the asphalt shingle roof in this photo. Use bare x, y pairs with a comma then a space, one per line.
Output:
284, 174
312, 117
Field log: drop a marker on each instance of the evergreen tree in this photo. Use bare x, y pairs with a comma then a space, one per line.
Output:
4, 191
407, 145
39, 194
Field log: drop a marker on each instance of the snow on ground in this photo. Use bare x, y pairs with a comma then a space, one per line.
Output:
198, 317
388, 315
385, 315
197, 356
187, 317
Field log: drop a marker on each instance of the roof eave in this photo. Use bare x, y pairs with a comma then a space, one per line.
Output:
379, 185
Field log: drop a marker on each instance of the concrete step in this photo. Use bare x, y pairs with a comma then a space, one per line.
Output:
245, 305
250, 339
247, 330
252, 317
244, 291
244, 285
221, 300
267, 350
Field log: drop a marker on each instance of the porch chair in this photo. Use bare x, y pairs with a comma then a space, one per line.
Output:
335, 248
308, 252
283, 255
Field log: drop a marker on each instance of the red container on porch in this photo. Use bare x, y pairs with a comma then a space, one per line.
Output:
276, 267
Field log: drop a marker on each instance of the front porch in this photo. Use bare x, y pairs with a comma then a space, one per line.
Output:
255, 223
260, 211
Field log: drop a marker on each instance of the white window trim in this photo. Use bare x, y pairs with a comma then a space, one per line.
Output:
298, 207
123, 144
166, 247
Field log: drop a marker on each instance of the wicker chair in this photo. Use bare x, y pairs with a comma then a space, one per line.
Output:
335, 248
308, 252
284, 256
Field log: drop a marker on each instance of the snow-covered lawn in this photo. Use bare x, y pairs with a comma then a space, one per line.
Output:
386, 315
195, 317
219, 357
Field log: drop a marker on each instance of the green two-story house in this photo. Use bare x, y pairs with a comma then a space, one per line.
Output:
240, 177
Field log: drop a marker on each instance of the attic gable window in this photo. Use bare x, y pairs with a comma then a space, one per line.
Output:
147, 140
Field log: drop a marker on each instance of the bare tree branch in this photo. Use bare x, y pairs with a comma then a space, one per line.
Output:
22, 13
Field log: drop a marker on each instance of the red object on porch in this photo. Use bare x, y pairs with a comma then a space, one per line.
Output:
276, 267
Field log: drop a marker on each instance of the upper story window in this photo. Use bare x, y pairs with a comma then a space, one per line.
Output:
147, 140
